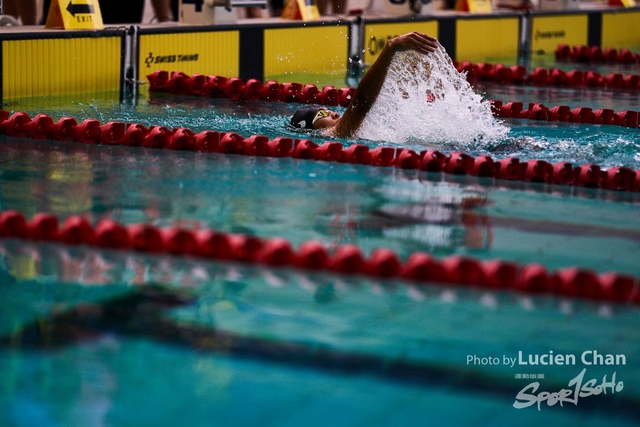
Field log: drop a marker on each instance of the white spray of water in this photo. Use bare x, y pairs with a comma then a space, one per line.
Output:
425, 100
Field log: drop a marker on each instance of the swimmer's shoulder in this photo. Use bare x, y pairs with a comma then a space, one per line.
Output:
346, 127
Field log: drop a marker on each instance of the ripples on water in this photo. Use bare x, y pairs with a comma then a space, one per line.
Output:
458, 119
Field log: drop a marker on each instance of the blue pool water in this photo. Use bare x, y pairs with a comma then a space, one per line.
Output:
97, 337
604, 145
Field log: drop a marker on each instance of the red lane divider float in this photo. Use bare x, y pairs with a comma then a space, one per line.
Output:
587, 54
517, 74
511, 168
179, 83
233, 88
346, 259
564, 113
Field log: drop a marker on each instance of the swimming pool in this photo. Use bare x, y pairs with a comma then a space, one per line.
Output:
94, 336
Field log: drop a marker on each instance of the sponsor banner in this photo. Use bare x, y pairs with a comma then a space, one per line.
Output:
549, 31
208, 53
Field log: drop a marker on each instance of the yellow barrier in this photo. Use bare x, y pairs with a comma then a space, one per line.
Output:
54, 66
305, 50
65, 62
488, 37
621, 29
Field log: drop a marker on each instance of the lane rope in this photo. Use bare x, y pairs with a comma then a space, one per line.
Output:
540, 76
588, 54
348, 259
91, 131
234, 88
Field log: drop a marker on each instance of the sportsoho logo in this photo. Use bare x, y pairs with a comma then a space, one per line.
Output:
164, 59
579, 387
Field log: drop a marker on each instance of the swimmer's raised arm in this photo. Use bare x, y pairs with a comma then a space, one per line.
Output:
367, 92
371, 83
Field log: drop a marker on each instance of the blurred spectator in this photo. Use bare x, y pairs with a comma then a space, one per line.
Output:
24, 10
130, 11
163, 10
175, 9
339, 7
123, 11
252, 12
276, 7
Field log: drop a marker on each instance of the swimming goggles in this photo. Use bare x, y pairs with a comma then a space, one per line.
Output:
321, 114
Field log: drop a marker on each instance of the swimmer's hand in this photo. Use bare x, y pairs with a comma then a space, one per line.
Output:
419, 42
370, 85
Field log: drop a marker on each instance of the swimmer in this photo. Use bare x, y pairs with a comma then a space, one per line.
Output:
330, 123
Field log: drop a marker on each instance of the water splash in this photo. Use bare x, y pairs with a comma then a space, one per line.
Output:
425, 100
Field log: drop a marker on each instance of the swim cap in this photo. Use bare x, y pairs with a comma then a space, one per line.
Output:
303, 118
